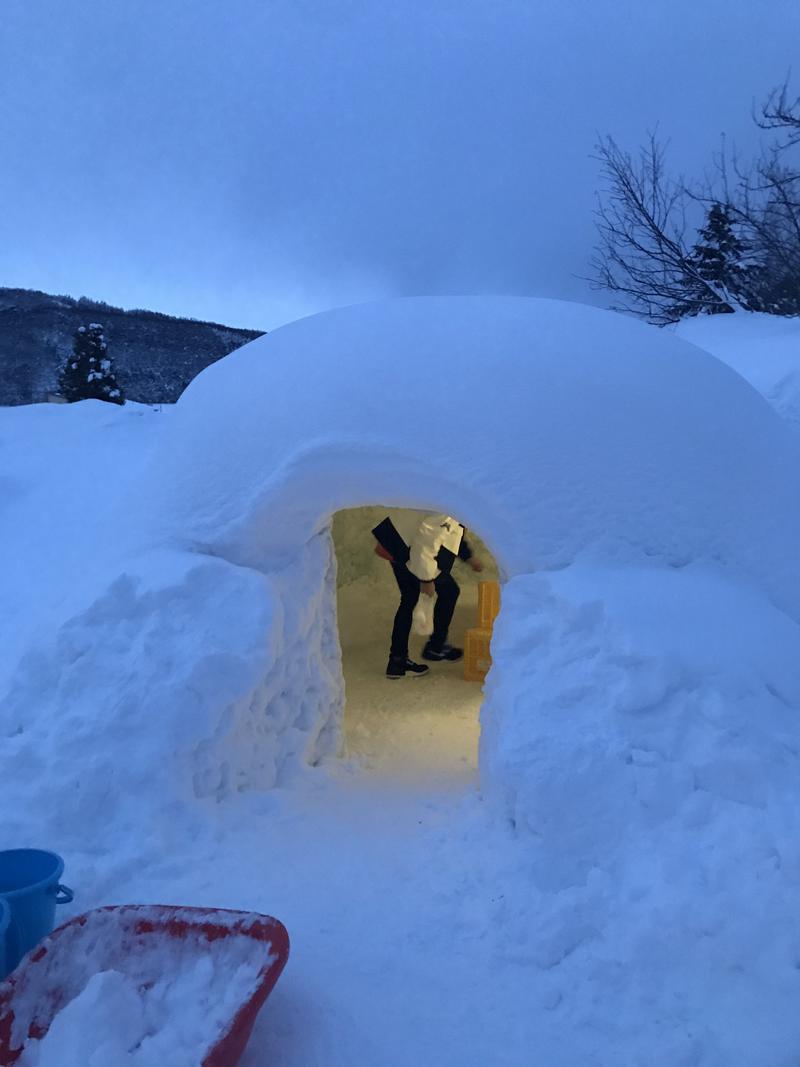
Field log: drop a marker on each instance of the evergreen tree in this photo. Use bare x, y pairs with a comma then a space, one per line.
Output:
718, 257
88, 373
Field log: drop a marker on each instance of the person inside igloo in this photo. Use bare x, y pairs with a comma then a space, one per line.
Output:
424, 568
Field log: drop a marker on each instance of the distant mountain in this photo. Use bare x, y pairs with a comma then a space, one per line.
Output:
155, 356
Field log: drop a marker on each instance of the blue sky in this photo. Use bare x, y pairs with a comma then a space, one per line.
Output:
250, 162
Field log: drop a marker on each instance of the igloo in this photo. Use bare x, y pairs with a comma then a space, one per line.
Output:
635, 492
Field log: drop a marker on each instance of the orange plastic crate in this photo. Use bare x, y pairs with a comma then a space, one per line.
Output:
488, 604
477, 654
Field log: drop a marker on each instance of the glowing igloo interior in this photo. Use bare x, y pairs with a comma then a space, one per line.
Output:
409, 730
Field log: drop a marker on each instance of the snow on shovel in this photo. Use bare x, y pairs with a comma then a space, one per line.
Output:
150, 984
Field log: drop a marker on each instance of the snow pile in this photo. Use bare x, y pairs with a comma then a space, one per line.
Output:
111, 644
644, 745
114, 1021
101, 1026
663, 700
764, 349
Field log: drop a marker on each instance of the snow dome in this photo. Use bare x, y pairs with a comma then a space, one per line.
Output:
633, 489
582, 446
551, 427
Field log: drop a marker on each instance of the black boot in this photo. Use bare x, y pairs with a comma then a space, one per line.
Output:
405, 668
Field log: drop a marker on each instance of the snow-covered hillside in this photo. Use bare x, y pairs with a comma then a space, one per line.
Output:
623, 887
764, 349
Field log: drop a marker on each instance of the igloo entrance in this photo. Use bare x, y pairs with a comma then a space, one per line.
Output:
416, 727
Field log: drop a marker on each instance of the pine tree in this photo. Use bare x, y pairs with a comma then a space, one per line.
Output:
88, 373
718, 257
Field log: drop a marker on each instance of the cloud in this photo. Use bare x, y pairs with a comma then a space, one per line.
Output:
253, 160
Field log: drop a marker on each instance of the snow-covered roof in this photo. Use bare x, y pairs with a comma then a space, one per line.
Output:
552, 428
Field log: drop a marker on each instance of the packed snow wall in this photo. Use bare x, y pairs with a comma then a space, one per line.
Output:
592, 453
187, 678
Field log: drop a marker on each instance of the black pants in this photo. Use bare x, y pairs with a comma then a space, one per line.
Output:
447, 593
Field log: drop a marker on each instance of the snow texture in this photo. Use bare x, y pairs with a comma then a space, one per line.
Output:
171, 642
762, 348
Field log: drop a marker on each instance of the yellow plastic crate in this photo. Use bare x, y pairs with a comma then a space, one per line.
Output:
488, 604
477, 654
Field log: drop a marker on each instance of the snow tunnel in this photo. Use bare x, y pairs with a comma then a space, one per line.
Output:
407, 730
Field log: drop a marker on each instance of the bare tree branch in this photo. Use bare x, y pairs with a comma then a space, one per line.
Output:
642, 252
746, 255
780, 112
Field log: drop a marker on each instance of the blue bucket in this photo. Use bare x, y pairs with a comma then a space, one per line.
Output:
29, 885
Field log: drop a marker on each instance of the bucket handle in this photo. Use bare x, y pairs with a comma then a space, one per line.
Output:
64, 895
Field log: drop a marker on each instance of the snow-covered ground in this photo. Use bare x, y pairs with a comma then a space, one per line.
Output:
619, 886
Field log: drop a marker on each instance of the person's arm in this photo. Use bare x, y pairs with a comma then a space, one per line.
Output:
466, 554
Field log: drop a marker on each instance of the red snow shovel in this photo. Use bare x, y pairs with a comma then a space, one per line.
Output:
138, 941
